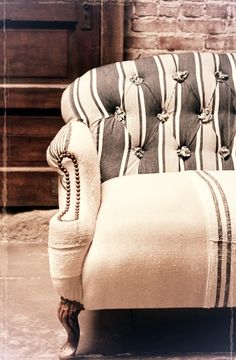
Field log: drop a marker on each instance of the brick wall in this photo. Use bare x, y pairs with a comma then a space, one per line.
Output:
153, 26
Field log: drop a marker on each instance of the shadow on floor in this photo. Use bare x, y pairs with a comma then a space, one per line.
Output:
156, 332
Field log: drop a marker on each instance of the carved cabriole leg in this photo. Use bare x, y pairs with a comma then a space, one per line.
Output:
68, 312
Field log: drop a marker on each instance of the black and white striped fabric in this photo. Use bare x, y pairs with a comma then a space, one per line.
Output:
169, 112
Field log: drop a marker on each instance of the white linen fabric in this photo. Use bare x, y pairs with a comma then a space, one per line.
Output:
157, 242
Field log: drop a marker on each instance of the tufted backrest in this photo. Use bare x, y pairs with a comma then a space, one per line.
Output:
169, 112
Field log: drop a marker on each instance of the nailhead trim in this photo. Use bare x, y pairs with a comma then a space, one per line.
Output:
62, 156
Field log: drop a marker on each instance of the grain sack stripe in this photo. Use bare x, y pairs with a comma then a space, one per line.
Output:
229, 237
220, 237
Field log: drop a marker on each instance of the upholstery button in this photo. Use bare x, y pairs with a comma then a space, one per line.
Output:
120, 115
136, 80
224, 152
139, 152
205, 116
163, 116
184, 152
220, 76
180, 76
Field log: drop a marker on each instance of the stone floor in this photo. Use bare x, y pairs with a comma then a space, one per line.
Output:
29, 327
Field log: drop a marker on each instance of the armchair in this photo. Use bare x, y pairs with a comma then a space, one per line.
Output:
147, 200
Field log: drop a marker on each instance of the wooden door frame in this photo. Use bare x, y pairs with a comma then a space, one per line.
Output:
112, 31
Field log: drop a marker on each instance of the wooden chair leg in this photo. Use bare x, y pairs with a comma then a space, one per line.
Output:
68, 312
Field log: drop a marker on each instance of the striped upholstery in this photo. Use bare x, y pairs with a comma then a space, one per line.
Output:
169, 112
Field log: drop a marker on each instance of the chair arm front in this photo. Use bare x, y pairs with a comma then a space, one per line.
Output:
73, 155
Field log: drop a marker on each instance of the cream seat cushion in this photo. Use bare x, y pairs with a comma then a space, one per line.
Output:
155, 243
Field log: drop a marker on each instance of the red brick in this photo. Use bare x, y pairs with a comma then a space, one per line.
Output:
191, 9
215, 10
221, 43
203, 26
145, 8
154, 25
172, 43
232, 10
141, 42
231, 26
169, 10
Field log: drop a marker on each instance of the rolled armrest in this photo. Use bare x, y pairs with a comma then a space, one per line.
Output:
73, 155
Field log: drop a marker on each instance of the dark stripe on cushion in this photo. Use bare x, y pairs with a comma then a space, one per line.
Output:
164, 76
123, 85
108, 76
220, 238
147, 70
92, 81
190, 108
229, 238
202, 81
227, 119
113, 149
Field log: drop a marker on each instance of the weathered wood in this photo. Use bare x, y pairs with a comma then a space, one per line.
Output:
112, 31
68, 312
27, 139
32, 125
35, 53
89, 43
32, 97
39, 11
28, 187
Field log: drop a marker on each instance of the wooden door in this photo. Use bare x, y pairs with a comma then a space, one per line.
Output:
44, 46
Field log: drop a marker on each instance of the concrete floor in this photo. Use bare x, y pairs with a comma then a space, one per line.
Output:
29, 328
